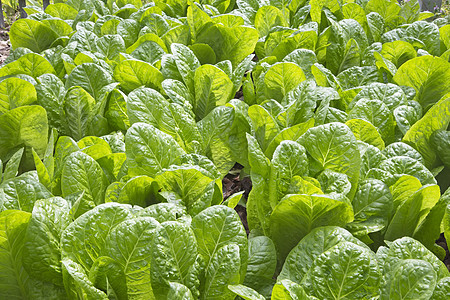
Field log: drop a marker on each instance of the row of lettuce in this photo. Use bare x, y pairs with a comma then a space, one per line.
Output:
119, 120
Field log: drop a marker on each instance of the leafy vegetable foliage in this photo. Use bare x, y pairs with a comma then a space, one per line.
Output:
119, 120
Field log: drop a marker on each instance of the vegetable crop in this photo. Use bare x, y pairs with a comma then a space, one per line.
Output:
120, 119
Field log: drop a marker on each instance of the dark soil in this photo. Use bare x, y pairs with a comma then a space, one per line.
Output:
443, 243
4, 43
232, 183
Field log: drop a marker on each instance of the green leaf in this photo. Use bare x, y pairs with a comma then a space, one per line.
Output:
31, 34
186, 63
116, 111
179, 291
149, 150
406, 116
204, 53
333, 146
23, 126
262, 262
356, 12
181, 125
50, 95
148, 51
403, 188
376, 25
212, 88
79, 111
163, 212
192, 188
44, 290
15, 92
428, 75
112, 164
218, 227
41, 253
139, 190
77, 283
245, 292
128, 29
178, 34
221, 271
31, 64
317, 242
407, 248
372, 206
355, 276
440, 140
148, 37
412, 212
296, 215
289, 160
197, 19
107, 274
263, 125
390, 94
233, 44
229, 20
428, 33
178, 93
430, 229
238, 73
62, 11
316, 10
146, 105
82, 173
286, 289
215, 130
61, 28
84, 240
174, 258
132, 74
205, 165
22, 192
292, 133
259, 163
64, 147
12, 167
442, 289
111, 46
351, 79
281, 78
268, 17
347, 41
384, 65
92, 78
304, 58
418, 136
366, 132
398, 52
400, 165
333, 182
388, 10
411, 279
14, 278
281, 43
94, 146
130, 245
378, 114
402, 149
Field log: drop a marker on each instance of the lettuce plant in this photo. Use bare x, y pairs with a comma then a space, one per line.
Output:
142, 252
331, 263
119, 120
